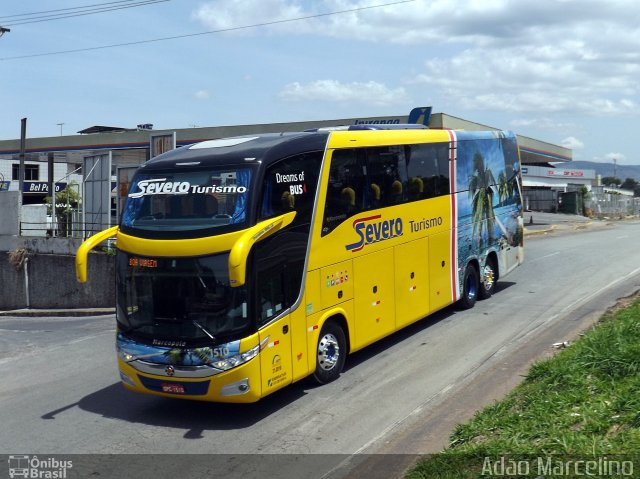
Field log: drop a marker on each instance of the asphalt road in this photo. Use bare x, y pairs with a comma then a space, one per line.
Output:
60, 392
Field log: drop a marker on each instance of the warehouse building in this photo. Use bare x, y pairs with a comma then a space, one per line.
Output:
99, 158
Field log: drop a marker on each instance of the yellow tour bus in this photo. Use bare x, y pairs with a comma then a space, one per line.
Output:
245, 264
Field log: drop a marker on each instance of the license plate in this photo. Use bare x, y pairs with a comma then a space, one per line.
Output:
173, 388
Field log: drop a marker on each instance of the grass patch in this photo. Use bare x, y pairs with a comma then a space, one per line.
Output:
583, 403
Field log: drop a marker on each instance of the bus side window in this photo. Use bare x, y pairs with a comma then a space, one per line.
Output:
387, 176
428, 170
290, 185
346, 189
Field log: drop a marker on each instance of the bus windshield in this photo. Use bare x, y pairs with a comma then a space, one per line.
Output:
187, 200
185, 299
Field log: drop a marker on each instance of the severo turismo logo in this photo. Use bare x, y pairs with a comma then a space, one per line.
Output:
160, 186
373, 229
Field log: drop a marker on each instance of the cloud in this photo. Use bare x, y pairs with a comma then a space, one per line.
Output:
231, 15
370, 93
202, 95
567, 56
573, 143
543, 123
619, 158
526, 78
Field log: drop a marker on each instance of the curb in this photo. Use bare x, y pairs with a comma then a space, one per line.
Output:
528, 232
62, 313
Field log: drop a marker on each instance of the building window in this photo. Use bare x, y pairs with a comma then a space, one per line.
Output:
31, 172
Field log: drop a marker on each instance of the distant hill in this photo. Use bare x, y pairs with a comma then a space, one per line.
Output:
604, 169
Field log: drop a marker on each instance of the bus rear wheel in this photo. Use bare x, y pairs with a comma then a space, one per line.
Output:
470, 285
330, 353
488, 279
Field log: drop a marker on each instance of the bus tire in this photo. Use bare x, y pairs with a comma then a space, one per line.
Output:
488, 279
330, 353
470, 285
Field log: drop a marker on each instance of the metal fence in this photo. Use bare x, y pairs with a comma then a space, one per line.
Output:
540, 200
66, 226
597, 202
607, 204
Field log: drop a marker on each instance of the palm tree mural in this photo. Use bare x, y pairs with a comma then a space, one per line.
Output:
481, 196
504, 191
175, 356
189, 356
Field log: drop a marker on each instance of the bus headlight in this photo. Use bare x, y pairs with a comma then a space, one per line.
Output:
125, 356
237, 360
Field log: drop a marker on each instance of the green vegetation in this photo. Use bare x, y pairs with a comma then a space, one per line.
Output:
66, 201
582, 404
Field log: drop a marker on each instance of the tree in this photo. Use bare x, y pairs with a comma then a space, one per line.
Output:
629, 184
611, 181
66, 201
503, 188
585, 196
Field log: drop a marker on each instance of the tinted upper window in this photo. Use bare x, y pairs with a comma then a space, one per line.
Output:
290, 185
428, 170
386, 176
188, 200
346, 189
369, 178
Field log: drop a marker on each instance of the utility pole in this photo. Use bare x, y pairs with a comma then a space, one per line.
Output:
3, 30
23, 142
60, 125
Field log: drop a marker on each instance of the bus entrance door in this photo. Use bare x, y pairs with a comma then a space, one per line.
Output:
275, 362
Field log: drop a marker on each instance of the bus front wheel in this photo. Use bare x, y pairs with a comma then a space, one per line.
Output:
470, 285
330, 353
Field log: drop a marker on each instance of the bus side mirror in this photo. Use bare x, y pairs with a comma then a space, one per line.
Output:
242, 247
88, 245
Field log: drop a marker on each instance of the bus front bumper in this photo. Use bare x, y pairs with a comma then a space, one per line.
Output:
238, 385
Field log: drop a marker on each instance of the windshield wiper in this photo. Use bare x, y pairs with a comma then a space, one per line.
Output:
203, 329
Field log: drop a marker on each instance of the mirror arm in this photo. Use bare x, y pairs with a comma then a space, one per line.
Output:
242, 247
88, 245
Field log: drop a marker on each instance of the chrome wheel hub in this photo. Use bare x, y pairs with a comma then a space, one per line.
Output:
328, 352
488, 278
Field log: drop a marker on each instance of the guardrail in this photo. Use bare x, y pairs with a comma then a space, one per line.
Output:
63, 229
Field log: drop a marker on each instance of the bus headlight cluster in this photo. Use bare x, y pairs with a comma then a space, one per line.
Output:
237, 360
125, 356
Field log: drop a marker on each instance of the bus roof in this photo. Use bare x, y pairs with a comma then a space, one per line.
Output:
264, 147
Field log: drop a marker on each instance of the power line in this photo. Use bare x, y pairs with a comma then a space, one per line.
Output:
62, 9
210, 32
80, 13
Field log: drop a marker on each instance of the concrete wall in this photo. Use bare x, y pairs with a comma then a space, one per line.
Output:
52, 283
9, 213
39, 245
34, 220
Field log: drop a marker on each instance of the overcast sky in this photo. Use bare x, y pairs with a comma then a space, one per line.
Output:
562, 71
